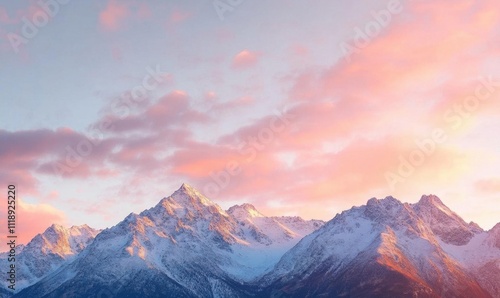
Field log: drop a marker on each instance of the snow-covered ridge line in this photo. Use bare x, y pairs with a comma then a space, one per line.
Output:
188, 246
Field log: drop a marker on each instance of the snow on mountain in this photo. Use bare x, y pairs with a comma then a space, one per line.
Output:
467, 243
186, 246
481, 256
266, 239
446, 224
382, 249
493, 238
46, 252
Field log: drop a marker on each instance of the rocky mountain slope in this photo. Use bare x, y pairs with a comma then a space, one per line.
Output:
46, 252
187, 246
389, 249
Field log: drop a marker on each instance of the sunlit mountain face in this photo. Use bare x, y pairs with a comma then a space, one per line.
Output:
188, 246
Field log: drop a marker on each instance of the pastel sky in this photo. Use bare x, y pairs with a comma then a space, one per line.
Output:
298, 107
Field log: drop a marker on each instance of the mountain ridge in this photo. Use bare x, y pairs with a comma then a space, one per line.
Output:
187, 246
47, 251
187, 241
393, 241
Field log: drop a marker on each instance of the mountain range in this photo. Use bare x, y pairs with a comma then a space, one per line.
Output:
187, 246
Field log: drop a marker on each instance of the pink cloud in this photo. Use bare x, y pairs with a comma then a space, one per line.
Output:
166, 112
395, 62
31, 219
21, 152
27, 154
197, 160
488, 186
245, 59
211, 96
316, 178
113, 16
178, 16
353, 120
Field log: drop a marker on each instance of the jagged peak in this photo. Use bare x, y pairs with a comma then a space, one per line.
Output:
494, 235
84, 226
54, 230
495, 228
248, 206
388, 201
383, 210
60, 229
431, 200
474, 226
186, 198
444, 223
187, 187
189, 192
436, 206
245, 209
56, 227
60, 240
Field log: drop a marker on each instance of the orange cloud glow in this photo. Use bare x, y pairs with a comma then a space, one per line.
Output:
31, 219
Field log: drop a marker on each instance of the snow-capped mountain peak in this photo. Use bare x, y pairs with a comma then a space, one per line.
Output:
244, 211
187, 246
434, 202
389, 211
387, 204
446, 224
382, 249
62, 241
187, 201
48, 251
